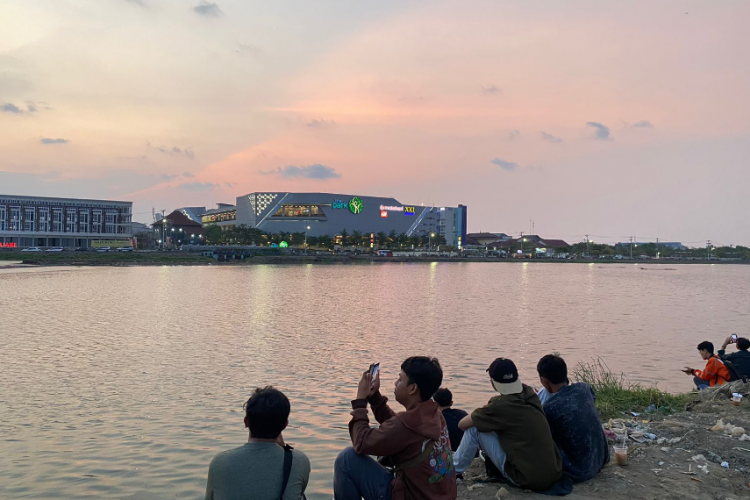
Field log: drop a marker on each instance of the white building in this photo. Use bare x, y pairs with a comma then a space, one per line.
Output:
28, 221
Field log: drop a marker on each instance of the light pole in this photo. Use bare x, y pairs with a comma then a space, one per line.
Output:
308, 228
432, 235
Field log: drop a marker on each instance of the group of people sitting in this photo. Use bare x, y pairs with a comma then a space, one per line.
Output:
543, 440
722, 368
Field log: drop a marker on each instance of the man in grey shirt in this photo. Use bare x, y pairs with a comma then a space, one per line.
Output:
256, 469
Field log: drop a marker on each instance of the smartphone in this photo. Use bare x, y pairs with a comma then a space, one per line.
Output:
734, 338
374, 369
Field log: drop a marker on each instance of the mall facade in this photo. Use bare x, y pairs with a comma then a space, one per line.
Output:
36, 221
320, 214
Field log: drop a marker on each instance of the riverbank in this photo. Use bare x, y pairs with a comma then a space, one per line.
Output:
105, 259
673, 452
196, 259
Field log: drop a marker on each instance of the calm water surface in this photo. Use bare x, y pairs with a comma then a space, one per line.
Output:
124, 382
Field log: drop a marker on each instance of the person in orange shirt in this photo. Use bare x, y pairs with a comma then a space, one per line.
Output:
715, 372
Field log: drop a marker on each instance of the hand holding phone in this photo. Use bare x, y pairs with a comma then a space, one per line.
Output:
370, 382
375, 378
734, 339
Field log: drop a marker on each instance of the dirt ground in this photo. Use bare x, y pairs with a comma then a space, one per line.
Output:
655, 466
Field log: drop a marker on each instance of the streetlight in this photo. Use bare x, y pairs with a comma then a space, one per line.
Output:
432, 235
308, 228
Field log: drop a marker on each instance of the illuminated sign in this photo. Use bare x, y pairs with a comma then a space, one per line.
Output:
8, 245
283, 244
384, 214
354, 205
410, 211
391, 208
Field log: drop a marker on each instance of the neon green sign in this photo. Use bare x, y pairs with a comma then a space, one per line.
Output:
354, 205
283, 244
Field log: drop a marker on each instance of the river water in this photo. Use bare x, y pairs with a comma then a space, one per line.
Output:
123, 383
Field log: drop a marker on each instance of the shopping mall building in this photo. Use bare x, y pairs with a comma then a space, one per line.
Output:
36, 221
320, 214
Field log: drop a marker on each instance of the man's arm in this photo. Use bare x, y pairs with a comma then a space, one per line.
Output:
369, 389
299, 477
383, 441
380, 408
724, 347
465, 423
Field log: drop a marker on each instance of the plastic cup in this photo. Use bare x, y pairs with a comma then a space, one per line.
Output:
736, 398
621, 455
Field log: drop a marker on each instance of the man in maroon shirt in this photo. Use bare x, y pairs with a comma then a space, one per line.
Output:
414, 442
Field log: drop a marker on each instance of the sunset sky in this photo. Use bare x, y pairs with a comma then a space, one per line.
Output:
587, 117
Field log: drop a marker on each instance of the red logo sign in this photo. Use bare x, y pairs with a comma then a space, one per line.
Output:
8, 245
384, 214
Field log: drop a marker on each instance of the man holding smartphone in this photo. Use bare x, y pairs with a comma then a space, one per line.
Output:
417, 462
741, 359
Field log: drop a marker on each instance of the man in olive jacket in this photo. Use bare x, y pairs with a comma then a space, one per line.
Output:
513, 432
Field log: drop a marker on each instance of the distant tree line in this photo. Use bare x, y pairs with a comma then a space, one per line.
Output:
652, 250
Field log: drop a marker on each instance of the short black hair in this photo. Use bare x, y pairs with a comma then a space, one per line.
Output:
707, 346
267, 412
443, 397
743, 344
553, 368
425, 372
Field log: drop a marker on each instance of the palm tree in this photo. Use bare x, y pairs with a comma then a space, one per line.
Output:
344, 237
381, 238
357, 237
325, 241
402, 239
392, 237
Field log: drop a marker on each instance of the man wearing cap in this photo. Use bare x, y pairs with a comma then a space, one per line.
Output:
513, 432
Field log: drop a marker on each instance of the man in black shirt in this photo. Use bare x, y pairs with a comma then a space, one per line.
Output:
444, 399
740, 360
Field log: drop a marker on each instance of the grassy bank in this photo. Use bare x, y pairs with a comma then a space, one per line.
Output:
617, 397
105, 259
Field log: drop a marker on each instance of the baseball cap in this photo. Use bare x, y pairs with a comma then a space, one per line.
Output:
504, 375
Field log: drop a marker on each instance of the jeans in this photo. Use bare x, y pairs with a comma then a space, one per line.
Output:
360, 476
700, 383
468, 449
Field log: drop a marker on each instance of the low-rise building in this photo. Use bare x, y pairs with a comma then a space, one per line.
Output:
193, 213
485, 239
224, 216
40, 221
176, 229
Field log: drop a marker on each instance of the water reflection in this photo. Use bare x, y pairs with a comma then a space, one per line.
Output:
123, 383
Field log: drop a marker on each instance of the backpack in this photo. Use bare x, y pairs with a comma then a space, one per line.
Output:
733, 373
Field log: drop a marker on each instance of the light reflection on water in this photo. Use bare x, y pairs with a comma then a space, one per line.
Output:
124, 382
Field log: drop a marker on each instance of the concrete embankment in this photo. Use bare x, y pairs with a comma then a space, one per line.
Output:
178, 258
